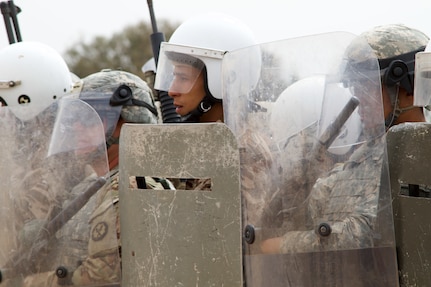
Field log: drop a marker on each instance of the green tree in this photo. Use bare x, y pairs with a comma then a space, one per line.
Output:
127, 50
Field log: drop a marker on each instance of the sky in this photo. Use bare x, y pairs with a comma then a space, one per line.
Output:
61, 23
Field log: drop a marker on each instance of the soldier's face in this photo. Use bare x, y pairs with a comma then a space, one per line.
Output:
187, 88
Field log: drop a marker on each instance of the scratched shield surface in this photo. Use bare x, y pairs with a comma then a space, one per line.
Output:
182, 236
49, 194
315, 187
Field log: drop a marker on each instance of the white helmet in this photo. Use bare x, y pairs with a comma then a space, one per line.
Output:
32, 75
301, 105
202, 42
149, 66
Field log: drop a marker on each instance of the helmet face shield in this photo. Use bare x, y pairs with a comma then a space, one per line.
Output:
422, 87
107, 113
77, 128
179, 67
183, 78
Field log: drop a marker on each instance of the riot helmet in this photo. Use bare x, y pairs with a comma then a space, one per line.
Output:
201, 43
32, 75
77, 84
396, 46
149, 69
149, 66
300, 106
114, 93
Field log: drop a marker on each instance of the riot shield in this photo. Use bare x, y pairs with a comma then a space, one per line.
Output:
314, 177
54, 178
190, 235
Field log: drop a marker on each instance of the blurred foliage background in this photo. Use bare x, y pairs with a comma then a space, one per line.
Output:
128, 49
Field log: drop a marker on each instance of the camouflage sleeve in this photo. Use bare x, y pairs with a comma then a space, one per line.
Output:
102, 264
158, 183
97, 270
347, 201
196, 184
40, 280
148, 182
256, 161
352, 232
35, 197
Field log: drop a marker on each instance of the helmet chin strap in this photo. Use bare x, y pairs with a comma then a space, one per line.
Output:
396, 111
204, 106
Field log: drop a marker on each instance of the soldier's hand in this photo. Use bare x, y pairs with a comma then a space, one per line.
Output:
271, 246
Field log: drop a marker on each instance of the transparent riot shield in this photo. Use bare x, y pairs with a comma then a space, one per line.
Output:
181, 234
54, 179
314, 177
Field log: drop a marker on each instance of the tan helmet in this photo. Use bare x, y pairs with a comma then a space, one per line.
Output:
113, 93
395, 46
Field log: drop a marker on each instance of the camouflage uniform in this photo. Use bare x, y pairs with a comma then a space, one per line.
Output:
256, 160
39, 188
96, 261
289, 164
36, 194
415, 190
100, 266
42, 187
347, 200
72, 242
191, 183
